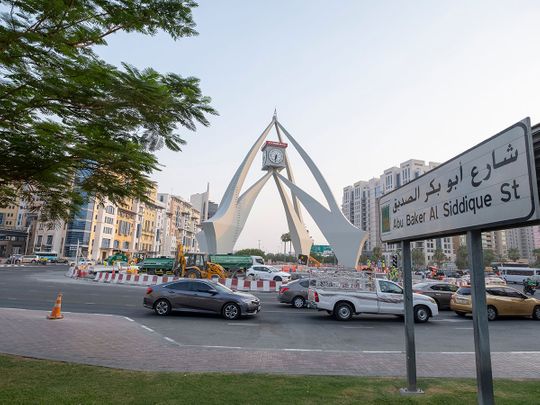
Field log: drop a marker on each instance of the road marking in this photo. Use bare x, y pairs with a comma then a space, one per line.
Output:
290, 312
382, 351
130, 305
357, 327
243, 324
449, 320
168, 339
90, 303
12, 299
128, 318
464, 328
147, 328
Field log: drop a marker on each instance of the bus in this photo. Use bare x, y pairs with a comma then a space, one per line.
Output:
518, 274
51, 257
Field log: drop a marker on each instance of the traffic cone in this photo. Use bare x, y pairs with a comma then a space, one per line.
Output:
56, 312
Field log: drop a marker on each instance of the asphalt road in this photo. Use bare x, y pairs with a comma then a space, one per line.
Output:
276, 326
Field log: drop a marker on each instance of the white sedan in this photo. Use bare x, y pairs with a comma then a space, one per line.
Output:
267, 273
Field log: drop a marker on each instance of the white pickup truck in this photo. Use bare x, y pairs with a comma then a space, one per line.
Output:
386, 297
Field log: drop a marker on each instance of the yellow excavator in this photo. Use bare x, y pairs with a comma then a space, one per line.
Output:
197, 265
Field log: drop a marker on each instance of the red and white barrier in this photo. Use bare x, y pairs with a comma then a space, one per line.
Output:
145, 279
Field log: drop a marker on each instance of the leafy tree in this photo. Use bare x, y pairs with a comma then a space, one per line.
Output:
462, 257
418, 258
489, 257
251, 252
536, 253
66, 115
439, 257
376, 254
513, 254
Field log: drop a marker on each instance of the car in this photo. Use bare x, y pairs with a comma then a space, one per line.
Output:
14, 259
295, 293
200, 296
501, 301
267, 273
29, 259
440, 291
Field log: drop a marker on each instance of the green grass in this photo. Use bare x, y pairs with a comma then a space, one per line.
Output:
24, 381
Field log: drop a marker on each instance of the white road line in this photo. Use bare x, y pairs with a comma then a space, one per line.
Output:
130, 305
168, 339
464, 328
449, 320
357, 327
89, 303
382, 351
12, 299
147, 328
289, 312
128, 318
243, 324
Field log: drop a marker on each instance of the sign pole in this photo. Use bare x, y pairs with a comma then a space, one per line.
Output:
409, 321
484, 377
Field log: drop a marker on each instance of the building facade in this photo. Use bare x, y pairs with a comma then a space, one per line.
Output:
359, 205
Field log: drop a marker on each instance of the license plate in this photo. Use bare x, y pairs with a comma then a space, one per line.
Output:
462, 300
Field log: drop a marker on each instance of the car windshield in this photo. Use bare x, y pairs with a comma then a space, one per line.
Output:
464, 291
220, 287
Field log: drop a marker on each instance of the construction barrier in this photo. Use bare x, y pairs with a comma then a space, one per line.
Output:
144, 279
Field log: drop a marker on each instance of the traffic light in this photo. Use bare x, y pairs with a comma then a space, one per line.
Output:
394, 261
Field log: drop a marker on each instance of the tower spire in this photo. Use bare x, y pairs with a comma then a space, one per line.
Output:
275, 113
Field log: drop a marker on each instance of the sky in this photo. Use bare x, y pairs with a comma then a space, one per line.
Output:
361, 85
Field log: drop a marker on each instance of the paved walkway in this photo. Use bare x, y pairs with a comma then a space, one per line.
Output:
119, 342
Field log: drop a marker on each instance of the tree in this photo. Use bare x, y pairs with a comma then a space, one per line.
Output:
67, 117
418, 258
363, 259
286, 237
462, 257
251, 252
513, 254
536, 253
489, 257
439, 257
376, 254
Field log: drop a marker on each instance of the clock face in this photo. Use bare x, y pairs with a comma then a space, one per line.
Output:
275, 156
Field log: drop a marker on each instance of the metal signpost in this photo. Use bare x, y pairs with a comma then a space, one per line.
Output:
490, 186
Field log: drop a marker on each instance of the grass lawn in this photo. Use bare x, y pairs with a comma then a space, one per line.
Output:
47, 382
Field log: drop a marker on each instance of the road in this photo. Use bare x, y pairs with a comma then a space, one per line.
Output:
278, 326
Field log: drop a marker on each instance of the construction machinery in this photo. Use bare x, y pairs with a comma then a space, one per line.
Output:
197, 265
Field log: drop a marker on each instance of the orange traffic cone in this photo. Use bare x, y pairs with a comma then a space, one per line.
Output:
56, 312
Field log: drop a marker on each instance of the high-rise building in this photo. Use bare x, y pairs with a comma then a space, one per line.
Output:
202, 203
359, 205
525, 240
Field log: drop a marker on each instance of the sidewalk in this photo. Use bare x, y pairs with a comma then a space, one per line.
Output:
116, 341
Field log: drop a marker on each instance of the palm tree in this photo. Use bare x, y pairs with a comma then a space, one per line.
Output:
286, 237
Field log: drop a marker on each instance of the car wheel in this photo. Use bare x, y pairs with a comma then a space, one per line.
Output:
343, 311
421, 314
298, 302
536, 313
459, 313
231, 311
33, 261
193, 273
491, 313
162, 307
277, 278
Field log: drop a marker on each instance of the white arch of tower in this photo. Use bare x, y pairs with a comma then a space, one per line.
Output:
220, 233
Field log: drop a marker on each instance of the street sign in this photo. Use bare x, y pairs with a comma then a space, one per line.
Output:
491, 185
321, 249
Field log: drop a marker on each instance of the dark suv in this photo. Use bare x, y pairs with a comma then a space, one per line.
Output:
200, 296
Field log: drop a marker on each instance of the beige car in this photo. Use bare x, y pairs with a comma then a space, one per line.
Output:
501, 301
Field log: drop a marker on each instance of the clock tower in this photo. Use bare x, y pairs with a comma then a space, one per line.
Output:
273, 155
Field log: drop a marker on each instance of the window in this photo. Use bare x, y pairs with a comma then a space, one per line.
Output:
512, 293
49, 239
183, 286
1, 218
201, 287
39, 240
387, 287
125, 246
116, 244
107, 230
109, 210
105, 243
109, 220
304, 283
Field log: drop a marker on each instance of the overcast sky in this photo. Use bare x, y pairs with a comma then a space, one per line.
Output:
363, 86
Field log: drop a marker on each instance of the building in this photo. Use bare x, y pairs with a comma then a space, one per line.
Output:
16, 225
179, 225
201, 202
359, 205
525, 240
